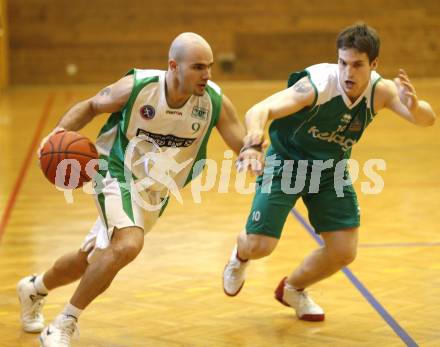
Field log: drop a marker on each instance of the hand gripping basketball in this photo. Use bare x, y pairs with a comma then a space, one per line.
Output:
68, 159
43, 141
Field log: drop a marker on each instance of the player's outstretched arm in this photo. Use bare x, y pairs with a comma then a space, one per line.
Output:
400, 96
278, 105
110, 99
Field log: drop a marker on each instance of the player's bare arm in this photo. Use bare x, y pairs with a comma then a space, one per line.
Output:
400, 96
278, 105
281, 104
110, 99
230, 128
233, 132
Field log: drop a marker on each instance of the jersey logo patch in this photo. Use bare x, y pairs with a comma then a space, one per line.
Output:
199, 112
166, 140
356, 125
147, 112
174, 113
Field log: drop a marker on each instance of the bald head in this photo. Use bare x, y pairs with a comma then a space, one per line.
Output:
189, 67
187, 42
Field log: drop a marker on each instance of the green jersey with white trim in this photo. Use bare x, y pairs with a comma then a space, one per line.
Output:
147, 126
331, 126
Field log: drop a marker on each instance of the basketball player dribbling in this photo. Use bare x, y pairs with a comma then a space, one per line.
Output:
174, 109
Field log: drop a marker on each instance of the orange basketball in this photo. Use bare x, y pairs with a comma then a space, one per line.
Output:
65, 159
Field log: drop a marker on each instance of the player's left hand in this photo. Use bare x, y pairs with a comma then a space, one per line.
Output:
406, 91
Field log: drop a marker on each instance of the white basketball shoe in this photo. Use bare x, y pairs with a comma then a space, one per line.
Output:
300, 301
234, 274
31, 305
60, 332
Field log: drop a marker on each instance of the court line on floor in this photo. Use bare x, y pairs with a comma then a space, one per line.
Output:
47, 107
404, 336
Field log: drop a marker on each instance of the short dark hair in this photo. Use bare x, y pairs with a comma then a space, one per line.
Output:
360, 37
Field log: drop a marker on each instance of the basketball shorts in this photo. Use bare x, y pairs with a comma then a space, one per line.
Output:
121, 206
326, 210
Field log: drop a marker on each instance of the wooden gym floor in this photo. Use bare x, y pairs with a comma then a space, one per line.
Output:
172, 294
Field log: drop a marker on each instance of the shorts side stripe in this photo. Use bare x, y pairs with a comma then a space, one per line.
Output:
101, 201
127, 202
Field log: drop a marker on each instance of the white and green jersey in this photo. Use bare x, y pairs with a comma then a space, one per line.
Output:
331, 126
184, 131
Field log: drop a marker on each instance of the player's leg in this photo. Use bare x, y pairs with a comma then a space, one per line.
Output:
255, 246
337, 220
111, 249
33, 289
251, 246
263, 230
71, 266
66, 269
125, 245
338, 251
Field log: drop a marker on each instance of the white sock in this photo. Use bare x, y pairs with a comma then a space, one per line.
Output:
70, 310
39, 285
290, 287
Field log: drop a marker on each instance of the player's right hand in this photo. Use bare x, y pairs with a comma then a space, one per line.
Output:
254, 138
251, 156
250, 159
43, 141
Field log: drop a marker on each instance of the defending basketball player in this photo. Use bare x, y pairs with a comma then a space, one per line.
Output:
173, 109
317, 119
